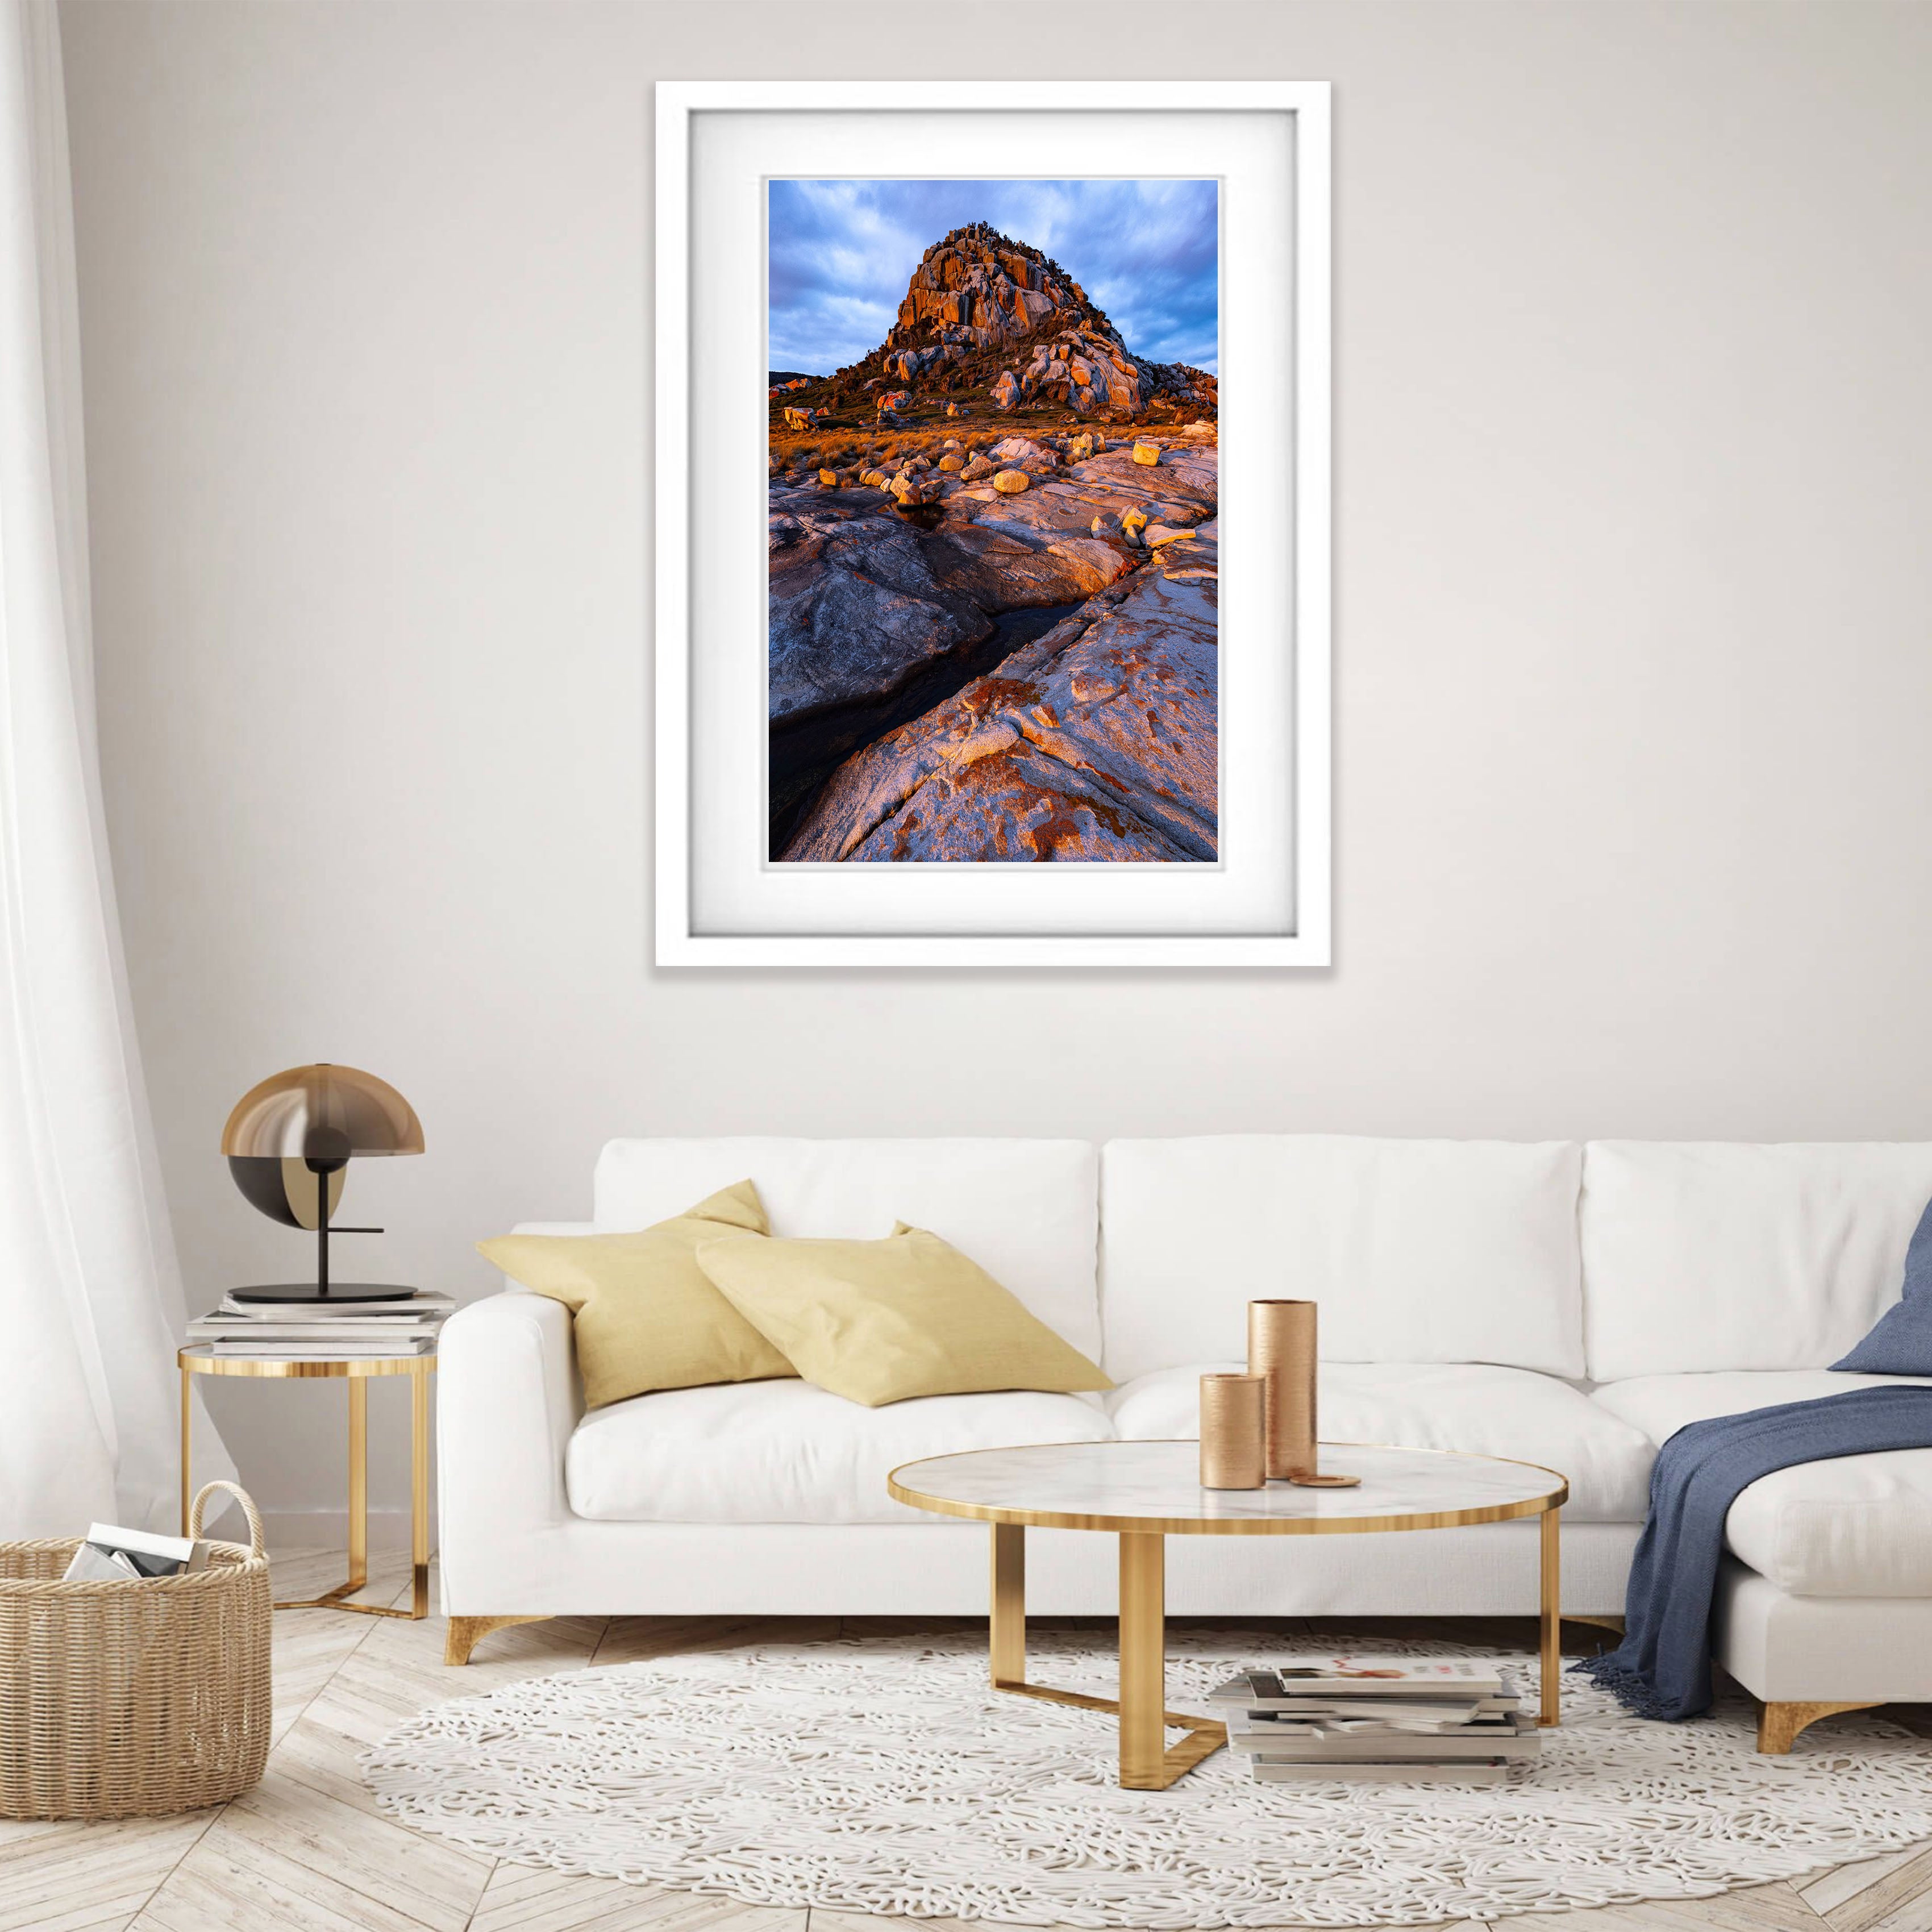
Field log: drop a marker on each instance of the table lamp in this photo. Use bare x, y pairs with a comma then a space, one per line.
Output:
289, 1142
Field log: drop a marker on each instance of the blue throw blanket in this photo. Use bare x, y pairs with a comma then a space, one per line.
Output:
1663, 1667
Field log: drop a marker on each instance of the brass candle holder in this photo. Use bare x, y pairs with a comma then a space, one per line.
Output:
1281, 1352
1233, 1427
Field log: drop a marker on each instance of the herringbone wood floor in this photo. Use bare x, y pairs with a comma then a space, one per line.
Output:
306, 1851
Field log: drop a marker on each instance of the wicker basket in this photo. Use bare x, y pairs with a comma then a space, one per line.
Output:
123, 1700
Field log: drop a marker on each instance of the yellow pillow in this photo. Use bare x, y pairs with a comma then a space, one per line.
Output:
646, 1316
877, 1322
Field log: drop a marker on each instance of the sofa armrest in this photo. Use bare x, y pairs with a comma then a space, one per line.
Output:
507, 1402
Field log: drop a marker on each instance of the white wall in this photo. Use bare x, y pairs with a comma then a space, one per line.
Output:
1633, 684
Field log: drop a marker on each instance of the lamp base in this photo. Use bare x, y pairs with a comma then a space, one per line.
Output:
338, 1293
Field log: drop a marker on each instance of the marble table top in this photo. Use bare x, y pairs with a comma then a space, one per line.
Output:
1156, 1487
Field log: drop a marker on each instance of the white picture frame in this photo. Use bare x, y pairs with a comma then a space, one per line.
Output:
857, 918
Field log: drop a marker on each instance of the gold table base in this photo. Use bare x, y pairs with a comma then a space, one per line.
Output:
1147, 1761
356, 1373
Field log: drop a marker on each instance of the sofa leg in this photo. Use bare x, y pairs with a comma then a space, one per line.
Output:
1779, 1724
466, 1633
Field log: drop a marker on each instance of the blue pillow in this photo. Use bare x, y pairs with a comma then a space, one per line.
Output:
1901, 1344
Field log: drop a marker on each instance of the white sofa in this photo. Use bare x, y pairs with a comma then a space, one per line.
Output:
1565, 1304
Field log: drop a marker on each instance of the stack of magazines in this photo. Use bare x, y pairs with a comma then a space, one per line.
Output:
1378, 1720
321, 1331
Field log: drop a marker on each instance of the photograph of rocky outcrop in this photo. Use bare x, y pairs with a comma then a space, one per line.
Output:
994, 448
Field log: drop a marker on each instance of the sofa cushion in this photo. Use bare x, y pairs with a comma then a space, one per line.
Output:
1417, 1251
1853, 1526
882, 1321
1484, 1411
1901, 1344
1023, 1209
1706, 1256
787, 1452
643, 1315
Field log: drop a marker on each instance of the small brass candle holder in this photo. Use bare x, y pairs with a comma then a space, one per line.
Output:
1233, 1412
1281, 1352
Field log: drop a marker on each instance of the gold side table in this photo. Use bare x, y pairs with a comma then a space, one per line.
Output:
357, 1371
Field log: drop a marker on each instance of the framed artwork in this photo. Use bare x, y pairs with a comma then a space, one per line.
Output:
992, 524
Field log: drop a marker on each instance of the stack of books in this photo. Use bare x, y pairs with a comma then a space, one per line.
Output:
111, 1555
1378, 1720
320, 1331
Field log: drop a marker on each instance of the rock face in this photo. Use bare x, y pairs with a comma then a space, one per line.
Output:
855, 608
1021, 452
976, 285
1098, 741
863, 599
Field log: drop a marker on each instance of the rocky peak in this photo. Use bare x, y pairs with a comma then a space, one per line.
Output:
978, 288
984, 309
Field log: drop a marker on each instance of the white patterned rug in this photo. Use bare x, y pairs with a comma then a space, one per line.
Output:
882, 1775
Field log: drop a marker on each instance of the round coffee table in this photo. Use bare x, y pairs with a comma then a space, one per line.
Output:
1146, 1492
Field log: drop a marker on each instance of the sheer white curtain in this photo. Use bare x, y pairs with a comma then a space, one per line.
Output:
90, 1306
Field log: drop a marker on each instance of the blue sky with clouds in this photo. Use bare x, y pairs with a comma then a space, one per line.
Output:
1147, 252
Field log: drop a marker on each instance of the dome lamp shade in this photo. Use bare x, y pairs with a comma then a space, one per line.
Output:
288, 1142
321, 1112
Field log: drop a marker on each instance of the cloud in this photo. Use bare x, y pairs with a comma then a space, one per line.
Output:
841, 252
